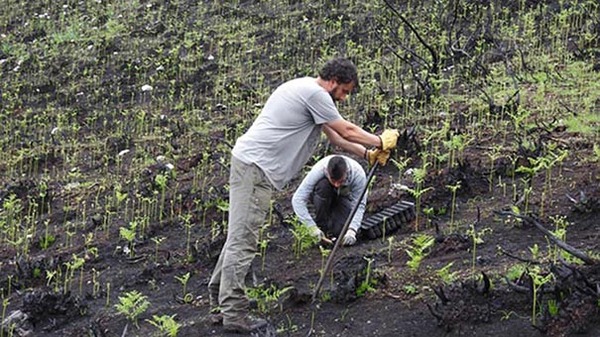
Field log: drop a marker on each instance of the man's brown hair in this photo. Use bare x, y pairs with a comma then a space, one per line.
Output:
340, 69
337, 168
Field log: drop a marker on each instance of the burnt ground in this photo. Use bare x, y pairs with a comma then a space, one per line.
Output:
77, 218
401, 303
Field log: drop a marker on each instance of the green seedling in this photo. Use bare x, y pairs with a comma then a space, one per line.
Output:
95, 283
324, 254
401, 165
187, 223
453, 188
367, 284
129, 235
535, 251
389, 248
494, 154
9, 217
53, 276
74, 264
418, 250
515, 272
166, 325
119, 195
161, 180
266, 296
538, 279
5, 303
262, 246
552, 306
157, 241
456, 145
132, 304
429, 212
560, 232
287, 327
263, 243
476, 239
187, 298
223, 207
410, 289
417, 193
446, 275
303, 238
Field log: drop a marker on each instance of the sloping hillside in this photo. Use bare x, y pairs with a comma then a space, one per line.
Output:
118, 118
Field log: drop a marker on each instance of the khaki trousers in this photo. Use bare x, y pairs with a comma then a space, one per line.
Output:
249, 200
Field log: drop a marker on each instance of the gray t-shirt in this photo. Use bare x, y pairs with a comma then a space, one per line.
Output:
352, 187
286, 132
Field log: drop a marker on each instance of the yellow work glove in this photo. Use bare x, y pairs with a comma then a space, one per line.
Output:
389, 138
377, 155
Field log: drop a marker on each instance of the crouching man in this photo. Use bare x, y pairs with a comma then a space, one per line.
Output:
333, 186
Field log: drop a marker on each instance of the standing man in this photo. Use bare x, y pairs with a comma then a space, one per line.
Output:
334, 186
275, 148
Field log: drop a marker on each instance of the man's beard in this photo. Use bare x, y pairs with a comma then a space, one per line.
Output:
332, 96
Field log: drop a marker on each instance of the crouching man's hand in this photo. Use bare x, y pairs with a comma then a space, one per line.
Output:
350, 237
318, 233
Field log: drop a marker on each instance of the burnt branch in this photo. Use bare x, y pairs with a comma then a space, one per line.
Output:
454, 46
517, 288
441, 295
392, 50
412, 56
486, 286
561, 244
512, 101
524, 64
434, 56
518, 258
435, 312
590, 288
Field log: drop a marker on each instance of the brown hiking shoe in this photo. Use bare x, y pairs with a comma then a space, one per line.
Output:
244, 325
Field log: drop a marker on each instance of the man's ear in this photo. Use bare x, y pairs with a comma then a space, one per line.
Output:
331, 83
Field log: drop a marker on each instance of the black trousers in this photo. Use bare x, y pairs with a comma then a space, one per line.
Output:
331, 207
